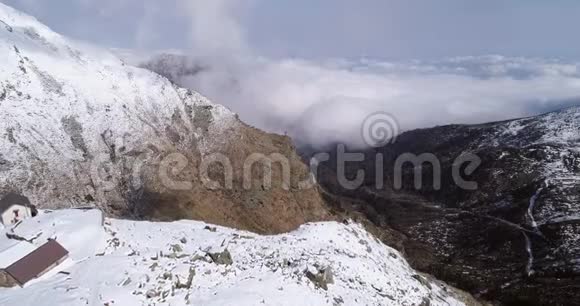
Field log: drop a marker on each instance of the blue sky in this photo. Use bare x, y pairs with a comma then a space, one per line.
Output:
386, 29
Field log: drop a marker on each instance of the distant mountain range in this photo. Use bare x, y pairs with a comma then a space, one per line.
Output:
514, 238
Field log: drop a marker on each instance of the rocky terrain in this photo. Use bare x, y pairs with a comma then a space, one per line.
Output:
194, 263
514, 238
79, 127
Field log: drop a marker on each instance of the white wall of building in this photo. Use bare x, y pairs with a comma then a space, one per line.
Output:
15, 213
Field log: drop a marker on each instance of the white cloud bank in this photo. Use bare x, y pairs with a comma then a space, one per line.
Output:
323, 102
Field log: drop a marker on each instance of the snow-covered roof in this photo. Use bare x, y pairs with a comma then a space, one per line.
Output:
14, 253
79, 231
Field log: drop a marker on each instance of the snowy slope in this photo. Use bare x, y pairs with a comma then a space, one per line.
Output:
144, 263
74, 118
555, 128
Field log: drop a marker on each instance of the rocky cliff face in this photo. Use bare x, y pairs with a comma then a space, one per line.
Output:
514, 238
79, 127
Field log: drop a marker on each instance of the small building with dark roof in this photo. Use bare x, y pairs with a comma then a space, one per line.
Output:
33, 265
15, 208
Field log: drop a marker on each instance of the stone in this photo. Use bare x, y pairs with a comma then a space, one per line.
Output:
187, 285
210, 228
221, 258
422, 280
176, 248
322, 279
6, 281
151, 294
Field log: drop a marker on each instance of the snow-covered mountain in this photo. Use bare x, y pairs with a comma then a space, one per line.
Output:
516, 236
65, 104
119, 262
80, 127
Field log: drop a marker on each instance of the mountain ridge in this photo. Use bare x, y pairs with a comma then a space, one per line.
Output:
518, 229
192, 262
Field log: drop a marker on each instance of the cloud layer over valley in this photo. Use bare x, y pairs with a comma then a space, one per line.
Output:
321, 102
